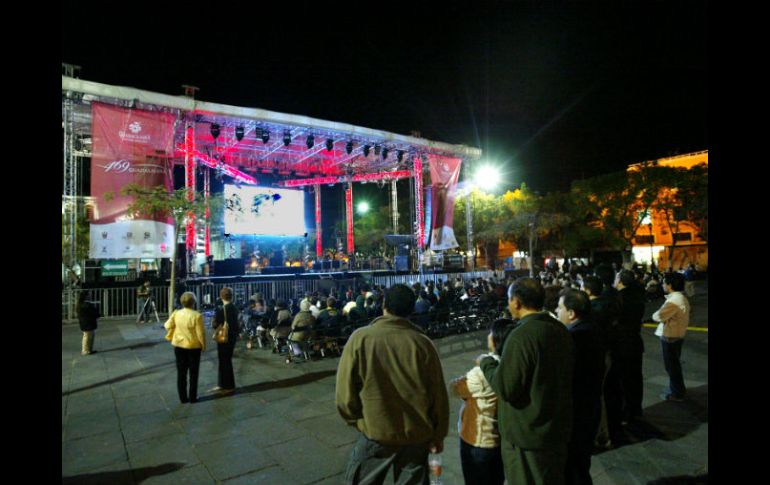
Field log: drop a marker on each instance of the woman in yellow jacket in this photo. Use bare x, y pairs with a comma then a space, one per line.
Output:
188, 336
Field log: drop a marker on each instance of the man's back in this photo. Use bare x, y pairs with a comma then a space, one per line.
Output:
534, 383
390, 384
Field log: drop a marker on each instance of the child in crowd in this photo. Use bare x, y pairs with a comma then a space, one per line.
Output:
480, 455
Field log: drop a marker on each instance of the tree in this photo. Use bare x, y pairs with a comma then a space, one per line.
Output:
683, 199
487, 216
618, 203
158, 201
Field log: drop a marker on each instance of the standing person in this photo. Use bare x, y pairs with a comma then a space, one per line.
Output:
226, 376
673, 318
574, 311
390, 386
188, 340
533, 382
626, 349
88, 313
142, 295
479, 435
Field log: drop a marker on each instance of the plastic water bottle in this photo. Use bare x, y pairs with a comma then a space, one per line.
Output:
434, 462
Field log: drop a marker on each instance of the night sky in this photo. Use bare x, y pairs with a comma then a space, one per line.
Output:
551, 94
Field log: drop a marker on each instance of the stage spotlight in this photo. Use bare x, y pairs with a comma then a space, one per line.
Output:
310, 142
366, 150
400, 156
214, 130
376, 149
239, 133
265, 136
349, 147
329, 144
286, 138
384, 153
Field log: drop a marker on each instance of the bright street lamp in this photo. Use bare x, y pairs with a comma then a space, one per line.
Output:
487, 177
363, 207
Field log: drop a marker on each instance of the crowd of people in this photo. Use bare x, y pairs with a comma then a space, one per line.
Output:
563, 374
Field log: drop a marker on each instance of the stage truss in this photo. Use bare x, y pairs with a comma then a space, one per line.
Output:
246, 144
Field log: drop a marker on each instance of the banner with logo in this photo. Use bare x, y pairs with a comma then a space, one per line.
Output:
444, 172
129, 146
428, 214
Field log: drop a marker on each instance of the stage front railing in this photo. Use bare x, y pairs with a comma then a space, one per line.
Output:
122, 302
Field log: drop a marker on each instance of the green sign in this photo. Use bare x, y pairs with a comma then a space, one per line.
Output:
117, 267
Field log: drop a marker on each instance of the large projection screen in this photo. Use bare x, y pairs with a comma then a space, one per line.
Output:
264, 211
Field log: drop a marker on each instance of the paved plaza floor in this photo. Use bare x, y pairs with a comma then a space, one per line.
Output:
122, 422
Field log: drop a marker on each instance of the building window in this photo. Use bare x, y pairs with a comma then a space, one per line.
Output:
682, 236
645, 239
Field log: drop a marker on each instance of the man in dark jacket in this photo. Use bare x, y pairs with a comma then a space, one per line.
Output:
391, 387
624, 386
574, 311
88, 314
533, 382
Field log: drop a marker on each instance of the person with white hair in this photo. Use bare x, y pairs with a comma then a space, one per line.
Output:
301, 327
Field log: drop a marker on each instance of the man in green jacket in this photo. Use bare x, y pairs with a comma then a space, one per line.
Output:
390, 386
533, 382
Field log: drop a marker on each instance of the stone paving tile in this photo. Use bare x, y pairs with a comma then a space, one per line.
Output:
318, 462
197, 475
233, 457
88, 406
331, 430
122, 475
335, 480
311, 410
147, 403
206, 429
141, 427
173, 448
268, 476
92, 453
81, 426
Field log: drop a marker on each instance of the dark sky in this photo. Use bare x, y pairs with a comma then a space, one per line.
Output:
550, 94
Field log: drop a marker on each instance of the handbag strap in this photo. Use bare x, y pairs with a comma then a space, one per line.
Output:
224, 310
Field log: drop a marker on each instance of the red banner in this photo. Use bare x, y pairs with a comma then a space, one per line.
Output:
444, 172
129, 146
418, 201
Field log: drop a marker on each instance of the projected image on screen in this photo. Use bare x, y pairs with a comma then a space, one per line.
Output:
264, 211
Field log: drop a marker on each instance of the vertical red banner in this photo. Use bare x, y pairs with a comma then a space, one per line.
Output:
418, 202
206, 194
349, 214
129, 146
444, 172
318, 237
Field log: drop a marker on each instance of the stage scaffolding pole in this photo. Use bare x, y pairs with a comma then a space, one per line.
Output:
349, 219
418, 211
189, 182
394, 204
469, 220
206, 193
318, 235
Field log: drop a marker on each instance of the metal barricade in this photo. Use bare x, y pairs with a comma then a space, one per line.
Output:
112, 302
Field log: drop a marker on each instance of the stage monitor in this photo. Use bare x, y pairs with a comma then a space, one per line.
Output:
264, 211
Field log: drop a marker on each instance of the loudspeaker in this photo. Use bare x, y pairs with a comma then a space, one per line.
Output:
231, 267
181, 260
402, 250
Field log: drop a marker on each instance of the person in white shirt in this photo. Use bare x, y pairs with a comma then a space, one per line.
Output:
673, 318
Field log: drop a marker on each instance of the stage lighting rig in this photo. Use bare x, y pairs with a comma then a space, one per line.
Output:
366, 150
384, 153
310, 142
215, 130
400, 156
376, 149
286, 138
349, 147
265, 136
329, 144
239, 133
